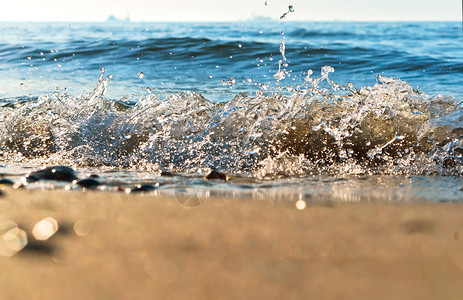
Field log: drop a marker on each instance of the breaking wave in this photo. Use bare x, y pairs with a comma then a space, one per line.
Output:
388, 128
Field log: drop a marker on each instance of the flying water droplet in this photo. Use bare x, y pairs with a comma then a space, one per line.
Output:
309, 73
326, 70
290, 10
140, 75
230, 83
283, 49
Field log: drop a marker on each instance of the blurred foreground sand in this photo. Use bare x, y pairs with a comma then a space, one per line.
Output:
118, 246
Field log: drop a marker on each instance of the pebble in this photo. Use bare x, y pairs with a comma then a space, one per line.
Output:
59, 173
32, 178
143, 188
6, 181
167, 173
89, 183
217, 175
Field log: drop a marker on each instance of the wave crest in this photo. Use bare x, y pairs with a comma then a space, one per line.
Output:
388, 128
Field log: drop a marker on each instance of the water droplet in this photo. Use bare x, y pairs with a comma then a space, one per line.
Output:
326, 70
140, 75
22, 85
230, 83
309, 73
239, 45
41, 53
29, 58
148, 90
266, 2
290, 10
210, 76
283, 49
102, 70
280, 75
59, 65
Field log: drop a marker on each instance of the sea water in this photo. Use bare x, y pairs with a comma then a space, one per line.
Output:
292, 110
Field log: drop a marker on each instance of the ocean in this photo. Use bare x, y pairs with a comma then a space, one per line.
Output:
339, 111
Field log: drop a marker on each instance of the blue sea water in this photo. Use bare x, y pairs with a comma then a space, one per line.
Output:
290, 104
45, 57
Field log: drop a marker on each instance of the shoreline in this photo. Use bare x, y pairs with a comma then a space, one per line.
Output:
116, 245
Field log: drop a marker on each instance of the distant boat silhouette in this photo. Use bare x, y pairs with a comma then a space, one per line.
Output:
257, 18
112, 18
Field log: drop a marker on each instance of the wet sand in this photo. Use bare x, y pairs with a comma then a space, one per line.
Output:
118, 246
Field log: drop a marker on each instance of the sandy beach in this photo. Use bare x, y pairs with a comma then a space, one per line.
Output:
119, 246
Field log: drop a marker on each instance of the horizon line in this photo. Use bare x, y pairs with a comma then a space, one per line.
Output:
122, 21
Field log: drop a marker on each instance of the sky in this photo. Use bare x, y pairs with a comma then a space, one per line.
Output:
230, 10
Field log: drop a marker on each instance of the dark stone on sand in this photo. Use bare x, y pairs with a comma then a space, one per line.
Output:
6, 181
217, 175
94, 176
32, 178
167, 173
59, 173
89, 183
143, 188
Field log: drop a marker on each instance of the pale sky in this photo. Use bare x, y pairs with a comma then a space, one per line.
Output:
229, 10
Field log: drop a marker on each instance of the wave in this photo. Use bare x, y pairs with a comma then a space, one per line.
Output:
388, 128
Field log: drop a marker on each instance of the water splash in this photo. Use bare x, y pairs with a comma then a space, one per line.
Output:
387, 128
290, 10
